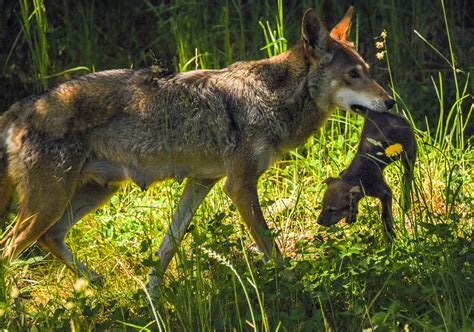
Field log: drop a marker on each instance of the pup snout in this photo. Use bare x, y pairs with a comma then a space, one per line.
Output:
389, 103
325, 220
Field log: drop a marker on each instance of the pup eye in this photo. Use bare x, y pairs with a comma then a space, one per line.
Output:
354, 74
337, 209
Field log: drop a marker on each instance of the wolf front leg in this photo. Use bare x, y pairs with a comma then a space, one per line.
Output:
194, 193
241, 187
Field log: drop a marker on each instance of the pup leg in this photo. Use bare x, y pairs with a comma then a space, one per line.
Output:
242, 190
86, 199
385, 197
194, 193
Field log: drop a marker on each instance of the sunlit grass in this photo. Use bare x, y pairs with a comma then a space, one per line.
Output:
341, 278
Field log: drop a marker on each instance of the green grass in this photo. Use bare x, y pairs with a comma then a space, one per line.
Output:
341, 278
35, 37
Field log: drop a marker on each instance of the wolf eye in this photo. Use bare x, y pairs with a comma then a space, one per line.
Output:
354, 74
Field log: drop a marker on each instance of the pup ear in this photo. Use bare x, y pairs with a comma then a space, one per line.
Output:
340, 31
314, 34
355, 190
330, 180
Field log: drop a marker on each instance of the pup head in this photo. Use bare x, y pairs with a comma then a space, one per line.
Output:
340, 201
338, 76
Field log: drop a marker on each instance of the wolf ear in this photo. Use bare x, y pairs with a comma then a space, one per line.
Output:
314, 35
340, 31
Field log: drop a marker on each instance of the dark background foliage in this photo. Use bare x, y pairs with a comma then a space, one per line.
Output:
115, 34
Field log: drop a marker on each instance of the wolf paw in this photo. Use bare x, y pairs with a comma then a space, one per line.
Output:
153, 285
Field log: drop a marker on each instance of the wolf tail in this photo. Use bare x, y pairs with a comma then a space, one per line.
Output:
6, 186
408, 161
6, 183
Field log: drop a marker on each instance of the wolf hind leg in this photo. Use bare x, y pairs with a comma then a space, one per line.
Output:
41, 204
86, 199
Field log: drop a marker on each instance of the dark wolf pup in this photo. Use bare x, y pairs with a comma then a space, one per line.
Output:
386, 137
68, 151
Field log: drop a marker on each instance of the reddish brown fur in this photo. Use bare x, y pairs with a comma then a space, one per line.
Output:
68, 150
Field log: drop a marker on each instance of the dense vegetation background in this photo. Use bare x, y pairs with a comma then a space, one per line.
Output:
343, 278
115, 34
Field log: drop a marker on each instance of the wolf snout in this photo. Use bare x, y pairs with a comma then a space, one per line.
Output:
389, 103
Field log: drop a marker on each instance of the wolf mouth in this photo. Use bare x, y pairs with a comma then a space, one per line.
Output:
359, 108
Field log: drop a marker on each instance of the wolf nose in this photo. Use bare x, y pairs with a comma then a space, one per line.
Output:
389, 103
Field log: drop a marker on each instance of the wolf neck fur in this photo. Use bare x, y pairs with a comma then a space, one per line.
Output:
286, 77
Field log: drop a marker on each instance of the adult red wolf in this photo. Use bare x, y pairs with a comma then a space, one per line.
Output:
68, 151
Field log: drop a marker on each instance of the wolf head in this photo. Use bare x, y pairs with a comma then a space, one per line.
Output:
340, 201
340, 77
